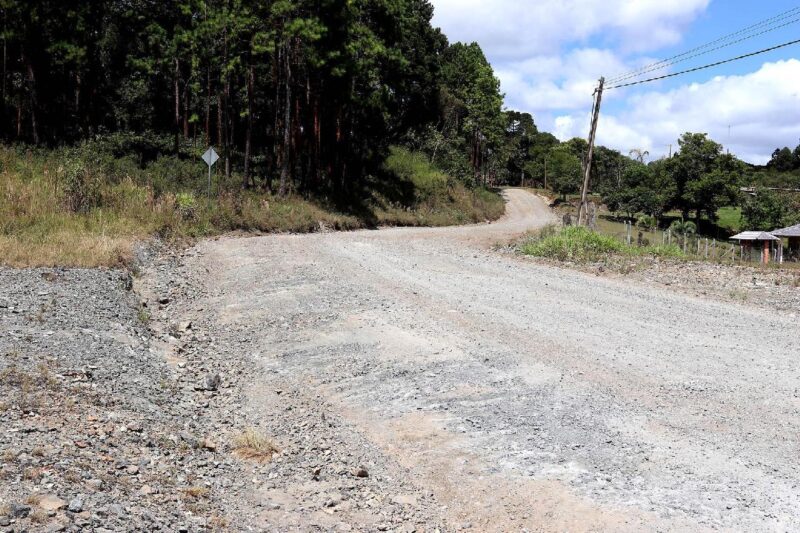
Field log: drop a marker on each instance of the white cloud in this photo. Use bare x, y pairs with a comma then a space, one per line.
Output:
520, 29
526, 41
544, 83
762, 108
549, 54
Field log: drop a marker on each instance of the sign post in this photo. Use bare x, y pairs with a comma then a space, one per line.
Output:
210, 157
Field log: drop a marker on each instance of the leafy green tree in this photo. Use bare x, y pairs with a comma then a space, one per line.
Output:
474, 103
783, 160
564, 170
538, 154
704, 178
520, 132
764, 211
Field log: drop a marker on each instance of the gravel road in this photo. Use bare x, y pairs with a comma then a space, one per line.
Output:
481, 390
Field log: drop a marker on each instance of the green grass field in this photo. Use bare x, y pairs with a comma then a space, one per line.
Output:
730, 218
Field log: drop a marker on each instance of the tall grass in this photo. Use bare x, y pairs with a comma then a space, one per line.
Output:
581, 245
431, 198
86, 207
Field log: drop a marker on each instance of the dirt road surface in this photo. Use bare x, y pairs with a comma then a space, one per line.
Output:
482, 391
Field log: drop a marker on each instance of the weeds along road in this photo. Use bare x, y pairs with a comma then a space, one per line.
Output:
510, 395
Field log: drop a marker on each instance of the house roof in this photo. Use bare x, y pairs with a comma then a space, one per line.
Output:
755, 236
791, 231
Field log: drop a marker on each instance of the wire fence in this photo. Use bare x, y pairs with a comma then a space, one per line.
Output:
700, 247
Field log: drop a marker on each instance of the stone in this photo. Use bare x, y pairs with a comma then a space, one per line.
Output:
210, 383
76, 505
360, 472
19, 511
209, 445
51, 502
55, 526
405, 499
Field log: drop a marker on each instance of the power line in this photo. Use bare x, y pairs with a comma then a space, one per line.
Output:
720, 47
778, 18
765, 50
767, 22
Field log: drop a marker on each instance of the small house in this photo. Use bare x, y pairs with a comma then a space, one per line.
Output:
792, 233
760, 240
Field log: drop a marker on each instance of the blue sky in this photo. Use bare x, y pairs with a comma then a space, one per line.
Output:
548, 55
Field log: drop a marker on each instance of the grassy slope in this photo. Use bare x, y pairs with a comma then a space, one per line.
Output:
38, 228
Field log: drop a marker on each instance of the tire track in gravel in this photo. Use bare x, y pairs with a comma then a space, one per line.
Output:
501, 395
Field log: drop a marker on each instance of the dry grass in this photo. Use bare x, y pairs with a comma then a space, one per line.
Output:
33, 499
26, 390
33, 473
218, 523
253, 446
196, 492
41, 225
39, 516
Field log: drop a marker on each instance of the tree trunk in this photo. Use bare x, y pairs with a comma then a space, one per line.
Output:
208, 108
287, 123
177, 87
228, 127
277, 72
317, 141
32, 96
77, 95
249, 133
220, 136
186, 110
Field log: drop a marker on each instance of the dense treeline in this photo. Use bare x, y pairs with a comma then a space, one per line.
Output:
309, 96
311, 92
297, 95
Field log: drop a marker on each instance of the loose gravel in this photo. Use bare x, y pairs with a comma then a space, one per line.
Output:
409, 379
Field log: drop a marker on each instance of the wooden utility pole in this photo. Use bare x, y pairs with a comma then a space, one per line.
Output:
582, 213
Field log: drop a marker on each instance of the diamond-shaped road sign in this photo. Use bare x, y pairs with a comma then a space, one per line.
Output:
210, 157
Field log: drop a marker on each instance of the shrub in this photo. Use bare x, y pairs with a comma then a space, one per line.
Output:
574, 244
82, 188
579, 244
646, 222
186, 205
